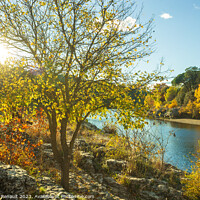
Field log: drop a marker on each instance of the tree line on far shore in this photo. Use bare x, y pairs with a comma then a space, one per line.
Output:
183, 95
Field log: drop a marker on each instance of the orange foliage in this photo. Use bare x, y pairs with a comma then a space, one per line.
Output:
14, 149
39, 128
173, 104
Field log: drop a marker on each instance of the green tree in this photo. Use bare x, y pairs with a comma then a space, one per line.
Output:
180, 96
170, 93
189, 79
72, 58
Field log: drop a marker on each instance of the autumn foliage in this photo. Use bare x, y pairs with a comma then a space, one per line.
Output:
15, 149
192, 181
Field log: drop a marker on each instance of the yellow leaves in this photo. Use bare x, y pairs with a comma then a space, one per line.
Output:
42, 3
20, 130
191, 181
197, 94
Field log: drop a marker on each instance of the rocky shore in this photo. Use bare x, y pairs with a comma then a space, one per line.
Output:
92, 177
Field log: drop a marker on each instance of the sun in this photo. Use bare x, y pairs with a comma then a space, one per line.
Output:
4, 54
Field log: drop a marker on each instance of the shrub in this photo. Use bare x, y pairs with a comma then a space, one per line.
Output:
173, 104
192, 180
39, 129
77, 158
110, 128
14, 148
118, 148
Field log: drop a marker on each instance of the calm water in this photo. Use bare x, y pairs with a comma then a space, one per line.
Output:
180, 148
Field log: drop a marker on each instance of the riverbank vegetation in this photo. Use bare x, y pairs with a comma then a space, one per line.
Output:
126, 167
181, 100
192, 181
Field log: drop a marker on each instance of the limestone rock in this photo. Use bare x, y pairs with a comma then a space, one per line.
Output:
148, 195
81, 144
15, 180
86, 162
116, 165
52, 190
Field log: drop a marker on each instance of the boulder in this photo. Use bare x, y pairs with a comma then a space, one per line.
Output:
15, 181
116, 165
99, 153
86, 162
82, 145
148, 195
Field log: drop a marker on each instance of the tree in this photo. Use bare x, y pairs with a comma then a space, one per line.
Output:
190, 78
159, 91
72, 54
170, 93
15, 91
180, 96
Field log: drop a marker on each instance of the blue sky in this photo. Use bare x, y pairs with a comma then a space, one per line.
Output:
177, 33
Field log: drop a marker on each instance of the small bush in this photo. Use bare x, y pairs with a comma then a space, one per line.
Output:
14, 148
192, 180
117, 148
110, 128
140, 167
77, 158
123, 180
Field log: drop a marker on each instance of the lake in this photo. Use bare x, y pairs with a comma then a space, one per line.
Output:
180, 147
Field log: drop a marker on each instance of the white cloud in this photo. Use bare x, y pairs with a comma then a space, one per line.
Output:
127, 24
196, 7
121, 25
166, 16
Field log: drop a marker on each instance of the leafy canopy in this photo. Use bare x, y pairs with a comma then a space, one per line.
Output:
190, 78
74, 52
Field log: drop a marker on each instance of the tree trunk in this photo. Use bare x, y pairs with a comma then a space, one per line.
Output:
65, 166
